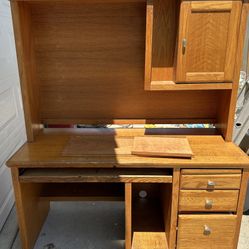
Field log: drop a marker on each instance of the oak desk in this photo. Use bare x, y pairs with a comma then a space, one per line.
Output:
132, 62
42, 172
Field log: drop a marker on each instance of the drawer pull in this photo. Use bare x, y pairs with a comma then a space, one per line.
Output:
207, 230
209, 204
211, 184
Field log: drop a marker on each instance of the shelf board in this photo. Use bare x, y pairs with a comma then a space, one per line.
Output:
171, 85
149, 240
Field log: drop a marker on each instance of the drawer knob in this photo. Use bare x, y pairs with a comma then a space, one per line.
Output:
207, 230
209, 204
211, 184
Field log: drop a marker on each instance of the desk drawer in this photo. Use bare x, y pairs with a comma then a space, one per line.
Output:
208, 201
226, 181
206, 231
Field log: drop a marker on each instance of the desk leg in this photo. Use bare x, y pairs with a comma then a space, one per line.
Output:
31, 211
128, 215
242, 197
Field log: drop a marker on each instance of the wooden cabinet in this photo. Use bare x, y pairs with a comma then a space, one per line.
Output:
204, 194
208, 34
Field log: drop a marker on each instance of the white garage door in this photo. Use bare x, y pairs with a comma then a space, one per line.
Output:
12, 129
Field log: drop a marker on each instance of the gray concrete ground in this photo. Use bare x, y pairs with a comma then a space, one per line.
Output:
84, 225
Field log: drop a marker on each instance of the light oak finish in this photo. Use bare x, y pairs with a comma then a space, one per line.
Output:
208, 201
159, 146
161, 29
95, 175
74, 63
210, 171
46, 151
155, 240
31, 210
207, 27
128, 215
191, 231
122, 62
148, 44
228, 181
174, 209
21, 14
168, 86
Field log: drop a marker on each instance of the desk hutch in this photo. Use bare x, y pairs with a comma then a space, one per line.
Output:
132, 62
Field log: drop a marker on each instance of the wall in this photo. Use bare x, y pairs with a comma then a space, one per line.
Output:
12, 128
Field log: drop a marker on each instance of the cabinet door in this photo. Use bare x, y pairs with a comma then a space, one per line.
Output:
208, 34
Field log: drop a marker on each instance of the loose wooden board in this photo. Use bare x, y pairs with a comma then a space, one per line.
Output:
162, 146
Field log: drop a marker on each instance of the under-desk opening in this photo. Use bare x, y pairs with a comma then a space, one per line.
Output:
151, 215
85, 224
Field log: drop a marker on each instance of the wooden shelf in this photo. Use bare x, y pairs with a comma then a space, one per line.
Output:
170, 85
148, 227
148, 240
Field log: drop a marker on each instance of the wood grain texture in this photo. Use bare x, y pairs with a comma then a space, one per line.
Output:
128, 215
228, 181
74, 64
208, 27
195, 200
95, 175
159, 146
210, 171
174, 209
148, 44
170, 85
148, 240
165, 25
46, 151
24, 40
241, 203
31, 211
191, 231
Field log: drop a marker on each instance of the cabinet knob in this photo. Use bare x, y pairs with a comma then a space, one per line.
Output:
184, 45
207, 230
211, 184
209, 204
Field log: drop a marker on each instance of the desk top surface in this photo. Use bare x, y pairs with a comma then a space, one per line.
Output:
88, 148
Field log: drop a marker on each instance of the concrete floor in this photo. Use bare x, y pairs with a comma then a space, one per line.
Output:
84, 225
